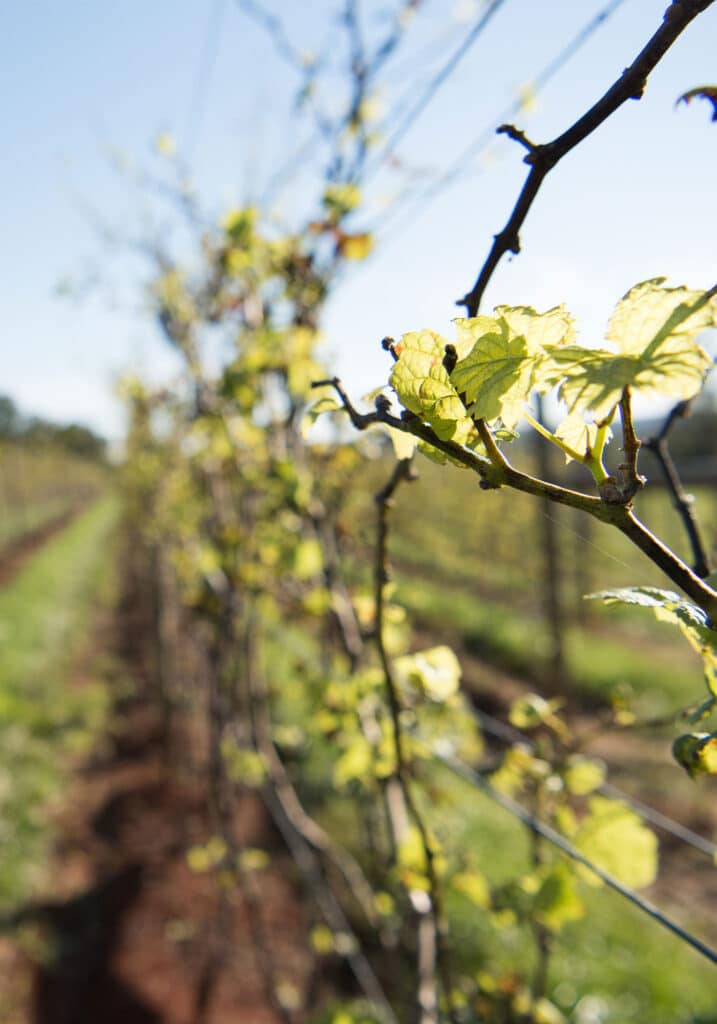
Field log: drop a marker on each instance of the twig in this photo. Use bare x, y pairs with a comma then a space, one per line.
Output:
431, 952
542, 158
287, 796
683, 502
330, 908
541, 934
673, 567
517, 135
305, 838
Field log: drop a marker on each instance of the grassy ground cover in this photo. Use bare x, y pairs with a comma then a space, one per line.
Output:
613, 965
658, 668
38, 485
45, 614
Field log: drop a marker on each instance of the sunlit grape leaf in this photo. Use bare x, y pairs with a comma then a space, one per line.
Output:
356, 247
583, 775
243, 766
308, 559
422, 384
434, 454
697, 753
556, 901
371, 108
532, 710
652, 331
239, 224
384, 904
165, 144
527, 97
342, 199
615, 839
322, 940
496, 376
204, 858
354, 764
546, 1012
702, 92
650, 313
517, 768
506, 359
436, 672
253, 859
412, 862
474, 886
555, 327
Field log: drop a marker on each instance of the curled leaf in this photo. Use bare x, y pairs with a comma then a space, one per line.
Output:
423, 386
697, 753
615, 839
701, 92
355, 247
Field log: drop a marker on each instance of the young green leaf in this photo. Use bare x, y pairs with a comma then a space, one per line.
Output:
583, 775
436, 672
555, 327
614, 838
474, 886
578, 435
423, 386
506, 360
556, 901
497, 375
355, 764
697, 753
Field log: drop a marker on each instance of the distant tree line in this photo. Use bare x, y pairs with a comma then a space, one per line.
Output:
36, 431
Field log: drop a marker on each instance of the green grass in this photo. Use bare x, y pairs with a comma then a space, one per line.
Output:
614, 960
46, 614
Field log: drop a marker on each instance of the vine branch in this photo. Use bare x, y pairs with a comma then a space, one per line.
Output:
543, 158
632, 482
431, 955
683, 502
495, 476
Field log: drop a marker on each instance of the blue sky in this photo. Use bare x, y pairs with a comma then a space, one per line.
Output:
87, 84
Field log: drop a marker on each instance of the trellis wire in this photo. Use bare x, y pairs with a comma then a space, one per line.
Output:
509, 734
561, 843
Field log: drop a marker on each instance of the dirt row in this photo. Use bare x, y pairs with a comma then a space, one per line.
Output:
126, 932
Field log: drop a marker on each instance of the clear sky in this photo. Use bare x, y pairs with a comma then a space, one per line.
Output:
86, 85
